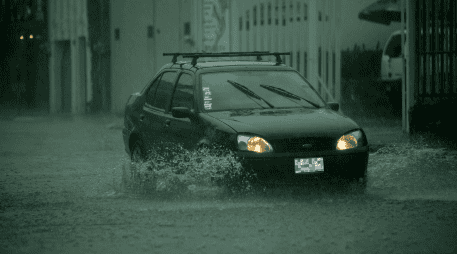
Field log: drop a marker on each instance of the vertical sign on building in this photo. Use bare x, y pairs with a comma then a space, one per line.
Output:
216, 26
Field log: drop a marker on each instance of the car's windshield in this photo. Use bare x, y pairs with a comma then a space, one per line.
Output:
219, 94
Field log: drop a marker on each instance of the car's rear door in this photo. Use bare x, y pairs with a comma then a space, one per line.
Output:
153, 116
184, 131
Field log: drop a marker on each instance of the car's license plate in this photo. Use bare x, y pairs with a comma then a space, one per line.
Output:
309, 165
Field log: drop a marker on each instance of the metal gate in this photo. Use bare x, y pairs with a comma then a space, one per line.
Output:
436, 50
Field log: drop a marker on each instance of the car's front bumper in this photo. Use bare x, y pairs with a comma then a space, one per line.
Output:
280, 167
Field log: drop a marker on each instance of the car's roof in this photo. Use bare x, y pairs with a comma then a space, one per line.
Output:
218, 64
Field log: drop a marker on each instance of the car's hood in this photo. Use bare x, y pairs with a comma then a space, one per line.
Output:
288, 123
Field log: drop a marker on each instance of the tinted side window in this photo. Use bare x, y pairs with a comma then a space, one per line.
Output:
394, 47
152, 91
184, 93
164, 90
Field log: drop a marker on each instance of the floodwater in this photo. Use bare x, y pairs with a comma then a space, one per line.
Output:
62, 191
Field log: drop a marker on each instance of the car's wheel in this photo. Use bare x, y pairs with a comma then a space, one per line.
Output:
357, 182
137, 154
138, 179
348, 182
136, 158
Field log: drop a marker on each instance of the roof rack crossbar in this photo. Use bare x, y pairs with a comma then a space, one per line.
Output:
194, 60
175, 56
278, 59
258, 54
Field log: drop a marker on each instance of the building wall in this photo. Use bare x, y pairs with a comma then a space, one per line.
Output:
146, 30
136, 57
308, 29
149, 28
130, 48
70, 67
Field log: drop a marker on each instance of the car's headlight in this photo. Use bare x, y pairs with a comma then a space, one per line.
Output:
350, 140
254, 144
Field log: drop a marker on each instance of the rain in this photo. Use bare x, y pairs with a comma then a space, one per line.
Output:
70, 69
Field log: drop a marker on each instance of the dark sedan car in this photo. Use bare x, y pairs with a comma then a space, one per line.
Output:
265, 112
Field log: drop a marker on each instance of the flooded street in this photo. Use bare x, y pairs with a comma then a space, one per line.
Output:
61, 192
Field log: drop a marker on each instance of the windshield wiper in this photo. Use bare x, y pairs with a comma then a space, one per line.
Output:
287, 94
248, 92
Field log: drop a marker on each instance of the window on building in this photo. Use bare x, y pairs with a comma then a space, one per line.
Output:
291, 8
298, 11
327, 64
298, 60
116, 34
305, 64
277, 14
291, 59
150, 32
334, 71
187, 28
254, 13
262, 13
305, 10
247, 20
283, 13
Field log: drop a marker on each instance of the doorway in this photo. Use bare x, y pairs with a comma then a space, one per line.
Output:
65, 76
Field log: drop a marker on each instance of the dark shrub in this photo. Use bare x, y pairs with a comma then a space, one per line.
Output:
436, 117
358, 63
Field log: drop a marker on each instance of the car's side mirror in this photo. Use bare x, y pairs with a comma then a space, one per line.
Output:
333, 106
180, 112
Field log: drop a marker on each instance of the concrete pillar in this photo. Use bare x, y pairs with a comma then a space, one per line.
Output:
312, 44
409, 78
54, 104
337, 31
234, 35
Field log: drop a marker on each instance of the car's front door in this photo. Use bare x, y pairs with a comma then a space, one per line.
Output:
184, 131
154, 117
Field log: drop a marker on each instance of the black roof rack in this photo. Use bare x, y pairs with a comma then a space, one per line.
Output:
195, 56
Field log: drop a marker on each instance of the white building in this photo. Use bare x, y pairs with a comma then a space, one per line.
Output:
145, 29
109, 54
79, 61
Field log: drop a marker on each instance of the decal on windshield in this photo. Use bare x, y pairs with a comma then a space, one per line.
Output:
207, 98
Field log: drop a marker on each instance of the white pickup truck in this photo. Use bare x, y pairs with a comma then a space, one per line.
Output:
391, 62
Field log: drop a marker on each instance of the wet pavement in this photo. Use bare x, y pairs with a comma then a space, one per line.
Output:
61, 192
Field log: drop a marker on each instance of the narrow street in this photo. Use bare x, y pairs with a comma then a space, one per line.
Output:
61, 192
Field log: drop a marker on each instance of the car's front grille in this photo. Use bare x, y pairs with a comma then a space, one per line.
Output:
304, 144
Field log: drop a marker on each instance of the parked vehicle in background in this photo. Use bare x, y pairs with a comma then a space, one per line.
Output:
391, 63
